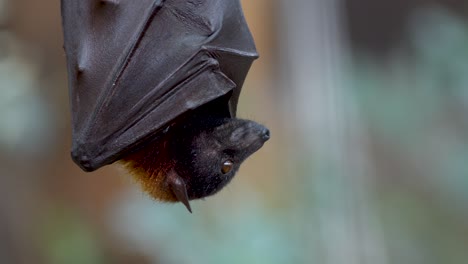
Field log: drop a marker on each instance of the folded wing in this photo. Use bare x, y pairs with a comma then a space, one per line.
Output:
134, 66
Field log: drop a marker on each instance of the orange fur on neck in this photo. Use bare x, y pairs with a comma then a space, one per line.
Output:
149, 166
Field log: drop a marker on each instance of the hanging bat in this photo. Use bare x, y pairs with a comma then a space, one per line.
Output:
154, 85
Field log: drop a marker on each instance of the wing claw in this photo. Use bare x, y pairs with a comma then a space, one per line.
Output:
178, 187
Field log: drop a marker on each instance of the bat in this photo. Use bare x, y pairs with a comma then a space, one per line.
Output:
154, 85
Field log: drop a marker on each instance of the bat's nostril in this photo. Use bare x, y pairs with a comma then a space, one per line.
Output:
265, 134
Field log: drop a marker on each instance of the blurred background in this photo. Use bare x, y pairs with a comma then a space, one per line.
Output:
367, 104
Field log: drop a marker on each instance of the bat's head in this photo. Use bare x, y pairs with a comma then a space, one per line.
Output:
203, 158
213, 155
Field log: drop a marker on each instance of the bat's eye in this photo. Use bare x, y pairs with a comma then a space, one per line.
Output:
227, 166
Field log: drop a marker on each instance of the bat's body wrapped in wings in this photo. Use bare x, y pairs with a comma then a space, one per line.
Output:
136, 65
139, 68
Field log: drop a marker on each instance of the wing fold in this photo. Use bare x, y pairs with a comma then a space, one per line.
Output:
134, 66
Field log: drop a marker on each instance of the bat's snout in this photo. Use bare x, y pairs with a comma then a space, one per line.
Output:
252, 136
265, 134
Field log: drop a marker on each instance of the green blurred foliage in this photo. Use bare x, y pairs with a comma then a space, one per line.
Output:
66, 238
416, 107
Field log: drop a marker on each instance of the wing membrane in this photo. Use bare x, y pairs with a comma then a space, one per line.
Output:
136, 65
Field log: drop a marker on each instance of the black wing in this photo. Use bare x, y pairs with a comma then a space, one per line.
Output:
134, 66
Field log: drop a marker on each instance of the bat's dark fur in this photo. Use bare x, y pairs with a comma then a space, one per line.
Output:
138, 68
195, 153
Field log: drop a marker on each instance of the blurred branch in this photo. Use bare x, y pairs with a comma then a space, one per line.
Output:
340, 184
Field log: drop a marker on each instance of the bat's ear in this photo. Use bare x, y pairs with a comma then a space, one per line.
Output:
179, 188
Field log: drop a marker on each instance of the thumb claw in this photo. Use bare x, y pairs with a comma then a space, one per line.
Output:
177, 185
